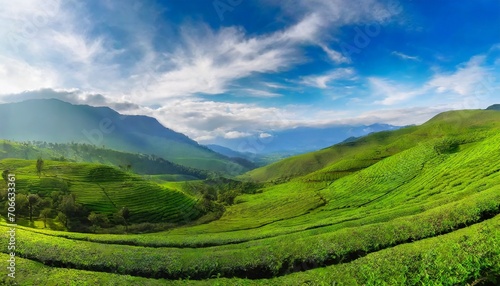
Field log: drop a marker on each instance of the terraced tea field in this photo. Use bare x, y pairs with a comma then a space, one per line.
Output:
417, 206
104, 189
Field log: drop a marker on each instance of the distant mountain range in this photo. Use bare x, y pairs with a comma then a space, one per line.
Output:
56, 121
297, 140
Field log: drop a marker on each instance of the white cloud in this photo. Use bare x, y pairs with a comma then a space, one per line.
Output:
236, 134
76, 47
391, 92
405, 56
259, 93
322, 81
18, 76
209, 61
265, 135
464, 81
220, 57
469, 84
335, 56
58, 39
274, 85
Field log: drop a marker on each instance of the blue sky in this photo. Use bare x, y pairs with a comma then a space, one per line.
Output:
217, 69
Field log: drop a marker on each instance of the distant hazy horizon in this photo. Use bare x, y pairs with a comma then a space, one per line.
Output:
233, 69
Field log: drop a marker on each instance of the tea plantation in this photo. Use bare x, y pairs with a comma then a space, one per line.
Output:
416, 206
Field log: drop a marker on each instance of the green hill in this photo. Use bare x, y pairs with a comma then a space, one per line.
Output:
103, 189
416, 206
137, 163
346, 158
56, 121
494, 107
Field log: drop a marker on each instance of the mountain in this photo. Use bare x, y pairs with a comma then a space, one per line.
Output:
228, 152
359, 213
66, 152
251, 160
494, 107
301, 139
57, 121
355, 154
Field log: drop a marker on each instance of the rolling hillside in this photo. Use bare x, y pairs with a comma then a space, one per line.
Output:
137, 163
345, 158
103, 189
60, 122
300, 139
416, 206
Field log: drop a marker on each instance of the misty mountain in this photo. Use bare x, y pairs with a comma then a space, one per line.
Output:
300, 139
56, 121
494, 107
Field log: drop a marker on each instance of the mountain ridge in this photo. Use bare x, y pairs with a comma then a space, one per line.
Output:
57, 121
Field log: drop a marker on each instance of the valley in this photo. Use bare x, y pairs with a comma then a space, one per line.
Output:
416, 206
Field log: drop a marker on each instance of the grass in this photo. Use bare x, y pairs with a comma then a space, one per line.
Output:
104, 189
417, 206
464, 256
138, 163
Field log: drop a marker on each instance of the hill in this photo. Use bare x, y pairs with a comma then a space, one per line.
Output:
356, 154
102, 189
60, 122
300, 139
137, 163
494, 107
416, 206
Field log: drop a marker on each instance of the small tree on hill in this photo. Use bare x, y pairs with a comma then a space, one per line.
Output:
62, 218
39, 166
44, 215
125, 214
97, 220
68, 207
5, 175
33, 200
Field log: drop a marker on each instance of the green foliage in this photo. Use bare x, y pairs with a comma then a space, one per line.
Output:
44, 215
138, 163
33, 200
418, 206
39, 166
76, 189
447, 145
97, 220
5, 175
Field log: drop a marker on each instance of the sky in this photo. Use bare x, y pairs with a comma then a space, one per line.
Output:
224, 69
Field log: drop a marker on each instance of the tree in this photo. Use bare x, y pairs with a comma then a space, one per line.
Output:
5, 175
62, 218
68, 205
97, 220
21, 203
67, 208
33, 200
39, 166
125, 214
44, 215
227, 196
